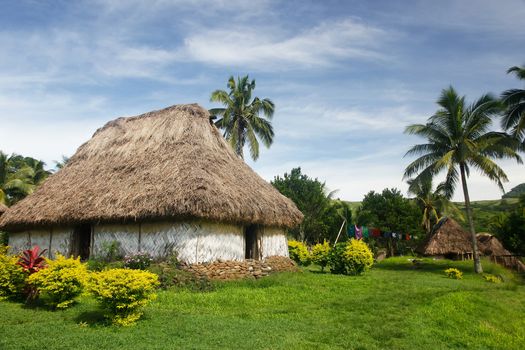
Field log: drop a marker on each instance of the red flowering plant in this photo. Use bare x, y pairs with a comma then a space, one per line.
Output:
32, 260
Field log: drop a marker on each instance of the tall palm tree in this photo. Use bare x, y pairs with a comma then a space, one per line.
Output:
19, 176
459, 139
241, 118
434, 203
514, 101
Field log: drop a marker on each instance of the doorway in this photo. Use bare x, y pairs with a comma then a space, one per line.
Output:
250, 238
81, 242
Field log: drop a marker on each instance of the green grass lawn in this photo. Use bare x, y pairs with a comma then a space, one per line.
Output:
393, 306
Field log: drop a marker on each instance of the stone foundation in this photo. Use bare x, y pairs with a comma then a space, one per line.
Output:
231, 270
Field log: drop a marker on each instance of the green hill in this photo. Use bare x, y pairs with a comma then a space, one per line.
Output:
515, 192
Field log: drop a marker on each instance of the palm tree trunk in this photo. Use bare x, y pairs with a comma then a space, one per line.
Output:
240, 143
477, 262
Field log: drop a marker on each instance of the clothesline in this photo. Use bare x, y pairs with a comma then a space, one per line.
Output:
359, 232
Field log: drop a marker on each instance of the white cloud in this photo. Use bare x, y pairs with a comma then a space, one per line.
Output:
269, 48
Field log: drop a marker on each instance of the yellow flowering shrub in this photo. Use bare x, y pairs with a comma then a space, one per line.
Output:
357, 257
492, 278
12, 276
299, 253
454, 273
321, 254
61, 282
123, 292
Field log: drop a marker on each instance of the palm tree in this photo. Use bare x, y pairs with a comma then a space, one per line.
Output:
459, 139
514, 101
240, 119
433, 203
19, 176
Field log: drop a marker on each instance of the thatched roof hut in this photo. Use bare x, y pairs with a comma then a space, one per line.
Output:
170, 165
447, 239
490, 245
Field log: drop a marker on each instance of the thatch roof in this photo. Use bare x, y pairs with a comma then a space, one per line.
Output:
170, 163
3, 208
447, 237
490, 245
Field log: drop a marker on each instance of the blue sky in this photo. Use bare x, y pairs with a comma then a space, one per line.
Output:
346, 76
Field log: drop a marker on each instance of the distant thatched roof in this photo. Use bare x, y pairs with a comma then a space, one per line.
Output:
171, 163
3, 208
490, 245
447, 237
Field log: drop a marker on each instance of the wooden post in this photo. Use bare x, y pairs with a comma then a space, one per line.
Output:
341, 229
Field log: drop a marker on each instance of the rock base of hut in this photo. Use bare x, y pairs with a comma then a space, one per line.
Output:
232, 270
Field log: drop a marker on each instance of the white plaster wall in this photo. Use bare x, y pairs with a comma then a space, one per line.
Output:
19, 241
60, 241
40, 238
54, 240
194, 241
126, 235
273, 242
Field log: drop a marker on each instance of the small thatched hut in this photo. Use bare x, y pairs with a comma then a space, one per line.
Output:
447, 240
161, 182
491, 246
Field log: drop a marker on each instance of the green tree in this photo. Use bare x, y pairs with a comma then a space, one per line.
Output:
459, 139
323, 216
433, 203
510, 228
514, 101
241, 117
19, 176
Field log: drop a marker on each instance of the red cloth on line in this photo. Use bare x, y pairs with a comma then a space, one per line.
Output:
375, 232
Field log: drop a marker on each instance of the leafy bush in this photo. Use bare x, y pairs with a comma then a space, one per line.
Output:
321, 254
299, 253
351, 258
139, 261
111, 251
336, 260
12, 275
492, 278
454, 273
171, 276
357, 257
61, 282
123, 292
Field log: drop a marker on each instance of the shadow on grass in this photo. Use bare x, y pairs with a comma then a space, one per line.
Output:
92, 318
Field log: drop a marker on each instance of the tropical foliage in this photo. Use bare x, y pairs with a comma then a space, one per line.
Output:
323, 215
244, 118
12, 276
459, 139
123, 293
510, 228
433, 203
61, 281
389, 211
299, 253
19, 176
514, 101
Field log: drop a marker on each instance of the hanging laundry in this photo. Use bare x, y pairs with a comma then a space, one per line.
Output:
351, 231
358, 233
365, 231
407, 237
375, 232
